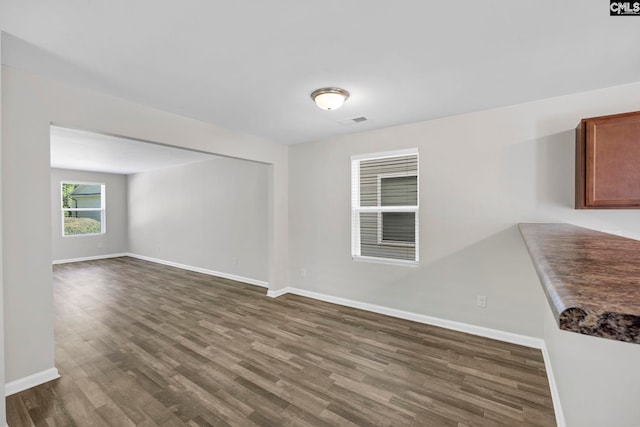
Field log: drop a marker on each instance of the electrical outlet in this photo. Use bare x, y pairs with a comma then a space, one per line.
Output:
234, 260
481, 301
303, 272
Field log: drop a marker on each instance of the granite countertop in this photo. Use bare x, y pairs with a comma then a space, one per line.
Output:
591, 279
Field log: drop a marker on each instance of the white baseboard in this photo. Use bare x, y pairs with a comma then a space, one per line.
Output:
38, 378
242, 279
87, 258
420, 318
555, 395
277, 293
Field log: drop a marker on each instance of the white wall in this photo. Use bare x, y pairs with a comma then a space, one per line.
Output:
26, 229
211, 215
2, 297
30, 104
114, 241
480, 175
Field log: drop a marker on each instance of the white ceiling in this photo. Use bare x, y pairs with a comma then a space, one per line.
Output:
88, 151
250, 65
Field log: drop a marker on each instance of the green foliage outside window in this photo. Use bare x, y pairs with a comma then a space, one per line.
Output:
67, 202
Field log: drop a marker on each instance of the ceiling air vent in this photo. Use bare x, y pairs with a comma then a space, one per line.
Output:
353, 120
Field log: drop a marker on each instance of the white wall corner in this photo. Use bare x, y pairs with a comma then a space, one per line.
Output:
555, 395
278, 292
30, 381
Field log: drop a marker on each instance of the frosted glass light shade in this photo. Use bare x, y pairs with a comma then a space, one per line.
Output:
329, 98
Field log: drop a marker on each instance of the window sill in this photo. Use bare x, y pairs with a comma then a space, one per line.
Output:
387, 261
83, 235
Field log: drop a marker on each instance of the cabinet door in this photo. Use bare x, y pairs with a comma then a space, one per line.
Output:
613, 161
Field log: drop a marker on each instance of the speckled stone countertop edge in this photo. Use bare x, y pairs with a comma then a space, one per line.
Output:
570, 315
543, 271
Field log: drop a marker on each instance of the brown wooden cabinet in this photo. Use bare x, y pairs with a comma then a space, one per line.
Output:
608, 162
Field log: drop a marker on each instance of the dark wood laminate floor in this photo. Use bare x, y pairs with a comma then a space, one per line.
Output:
141, 344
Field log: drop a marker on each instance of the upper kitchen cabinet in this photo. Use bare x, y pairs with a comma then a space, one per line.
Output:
608, 162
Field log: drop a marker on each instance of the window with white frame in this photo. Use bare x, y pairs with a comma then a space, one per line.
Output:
384, 206
83, 208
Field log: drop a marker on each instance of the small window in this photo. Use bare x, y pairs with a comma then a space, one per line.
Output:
83, 207
385, 206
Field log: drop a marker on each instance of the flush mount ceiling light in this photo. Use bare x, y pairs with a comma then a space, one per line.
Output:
329, 98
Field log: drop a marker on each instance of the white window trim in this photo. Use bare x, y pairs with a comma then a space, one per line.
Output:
102, 209
385, 154
356, 209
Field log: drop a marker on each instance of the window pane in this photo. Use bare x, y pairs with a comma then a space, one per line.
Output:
85, 196
82, 222
374, 171
398, 227
372, 245
399, 191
